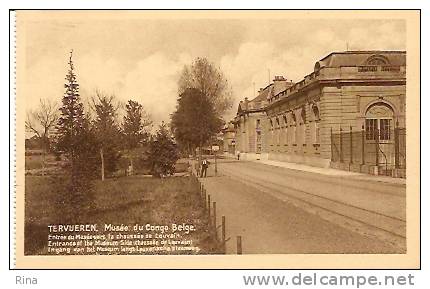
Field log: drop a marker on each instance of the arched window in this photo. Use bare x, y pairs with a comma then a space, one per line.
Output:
286, 128
303, 125
379, 119
294, 124
303, 114
316, 114
377, 60
271, 140
258, 131
278, 131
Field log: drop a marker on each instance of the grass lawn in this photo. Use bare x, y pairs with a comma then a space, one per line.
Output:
125, 200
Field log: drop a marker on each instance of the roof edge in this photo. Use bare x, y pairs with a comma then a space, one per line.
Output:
362, 52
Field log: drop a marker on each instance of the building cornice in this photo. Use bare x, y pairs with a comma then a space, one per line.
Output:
336, 83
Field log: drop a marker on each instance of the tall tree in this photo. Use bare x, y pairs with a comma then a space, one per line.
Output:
136, 120
106, 131
204, 76
195, 120
40, 122
76, 140
163, 153
71, 122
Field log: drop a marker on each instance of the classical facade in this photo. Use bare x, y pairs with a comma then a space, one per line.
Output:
348, 113
348, 95
251, 122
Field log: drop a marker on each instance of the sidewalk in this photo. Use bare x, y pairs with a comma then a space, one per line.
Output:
328, 171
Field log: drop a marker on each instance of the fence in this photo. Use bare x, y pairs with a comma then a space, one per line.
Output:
214, 227
384, 149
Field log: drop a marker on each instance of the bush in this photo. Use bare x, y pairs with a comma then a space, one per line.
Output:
163, 153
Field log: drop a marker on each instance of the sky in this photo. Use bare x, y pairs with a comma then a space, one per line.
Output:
141, 58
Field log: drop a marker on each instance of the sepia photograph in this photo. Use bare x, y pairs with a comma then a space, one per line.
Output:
253, 139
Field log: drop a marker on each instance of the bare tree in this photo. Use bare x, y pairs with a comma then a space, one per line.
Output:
40, 121
210, 81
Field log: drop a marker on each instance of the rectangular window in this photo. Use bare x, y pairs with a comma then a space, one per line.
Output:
385, 126
371, 129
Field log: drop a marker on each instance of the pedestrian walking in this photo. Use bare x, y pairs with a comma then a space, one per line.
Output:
238, 155
205, 165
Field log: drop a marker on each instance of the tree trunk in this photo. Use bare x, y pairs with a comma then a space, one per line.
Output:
199, 159
43, 156
43, 161
44, 151
103, 164
131, 165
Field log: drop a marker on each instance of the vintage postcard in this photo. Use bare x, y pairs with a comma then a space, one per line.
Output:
217, 139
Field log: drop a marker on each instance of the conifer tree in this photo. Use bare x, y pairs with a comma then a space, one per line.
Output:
163, 153
75, 138
71, 120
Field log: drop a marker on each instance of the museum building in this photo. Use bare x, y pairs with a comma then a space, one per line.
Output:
348, 113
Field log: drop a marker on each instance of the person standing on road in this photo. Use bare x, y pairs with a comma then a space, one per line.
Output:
205, 165
238, 155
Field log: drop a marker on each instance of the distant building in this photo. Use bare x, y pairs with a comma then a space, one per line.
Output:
349, 113
252, 124
229, 138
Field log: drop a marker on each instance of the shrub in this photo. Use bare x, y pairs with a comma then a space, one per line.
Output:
163, 153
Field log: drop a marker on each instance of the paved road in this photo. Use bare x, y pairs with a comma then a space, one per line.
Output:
279, 210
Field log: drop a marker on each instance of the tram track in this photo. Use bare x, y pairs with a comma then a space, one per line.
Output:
365, 221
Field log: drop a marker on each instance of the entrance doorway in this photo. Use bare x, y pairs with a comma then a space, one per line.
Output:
380, 135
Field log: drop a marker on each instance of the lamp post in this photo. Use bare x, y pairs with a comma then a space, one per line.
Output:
216, 166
